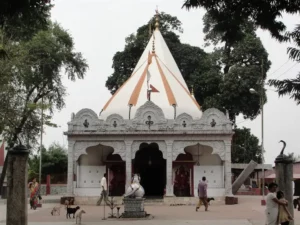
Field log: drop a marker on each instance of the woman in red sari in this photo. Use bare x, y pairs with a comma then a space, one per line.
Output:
34, 193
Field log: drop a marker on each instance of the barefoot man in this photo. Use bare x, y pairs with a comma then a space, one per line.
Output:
202, 192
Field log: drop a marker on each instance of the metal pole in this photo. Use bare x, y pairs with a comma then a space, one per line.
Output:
41, 141
41, 144
262, 129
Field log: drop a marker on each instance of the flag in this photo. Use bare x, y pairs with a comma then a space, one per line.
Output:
149, 58
153, 89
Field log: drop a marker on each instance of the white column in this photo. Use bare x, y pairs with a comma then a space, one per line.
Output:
77, 174
169, 185
227, 165
70, 167
128, 145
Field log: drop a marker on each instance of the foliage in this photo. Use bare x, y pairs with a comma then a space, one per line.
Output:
22, 18
290, 86
245, 147
31, 80
54, 162
230, 16
33, 73
241, 71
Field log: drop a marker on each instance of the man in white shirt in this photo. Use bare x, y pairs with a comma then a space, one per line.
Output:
103, 191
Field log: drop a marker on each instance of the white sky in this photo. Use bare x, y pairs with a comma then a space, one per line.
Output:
99, 28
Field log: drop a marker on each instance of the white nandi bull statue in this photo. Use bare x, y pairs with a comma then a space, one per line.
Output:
135, 190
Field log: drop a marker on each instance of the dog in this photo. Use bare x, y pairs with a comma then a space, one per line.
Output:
208, 201
55, 210
71, 211
296, 203
79, 216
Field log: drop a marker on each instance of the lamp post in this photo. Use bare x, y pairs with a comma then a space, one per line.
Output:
253, 91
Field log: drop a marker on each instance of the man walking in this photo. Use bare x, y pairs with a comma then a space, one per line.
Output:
202, 193
103, 191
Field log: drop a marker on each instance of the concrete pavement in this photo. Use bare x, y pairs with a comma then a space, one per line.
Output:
247, 212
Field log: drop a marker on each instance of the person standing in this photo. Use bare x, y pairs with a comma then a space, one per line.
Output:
284, 216
272, 205
202, 193
103, 195
34, 193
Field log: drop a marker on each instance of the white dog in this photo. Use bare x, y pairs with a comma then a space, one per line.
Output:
79, 216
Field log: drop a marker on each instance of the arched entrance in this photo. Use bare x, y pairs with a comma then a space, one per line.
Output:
151, 166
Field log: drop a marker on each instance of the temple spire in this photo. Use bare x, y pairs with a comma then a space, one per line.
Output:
157, 19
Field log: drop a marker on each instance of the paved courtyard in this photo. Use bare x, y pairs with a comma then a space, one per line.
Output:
247, 212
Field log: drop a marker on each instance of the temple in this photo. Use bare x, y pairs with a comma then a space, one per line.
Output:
152, 126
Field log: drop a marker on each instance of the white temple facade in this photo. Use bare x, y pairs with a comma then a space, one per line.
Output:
152, 126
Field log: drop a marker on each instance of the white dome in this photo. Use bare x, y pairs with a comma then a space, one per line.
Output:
156, 69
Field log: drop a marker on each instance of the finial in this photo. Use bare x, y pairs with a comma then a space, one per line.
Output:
157, 18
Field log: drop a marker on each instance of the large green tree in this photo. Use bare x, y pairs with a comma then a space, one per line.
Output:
31, 80
230, 16
244, 62
290, 86
245, 147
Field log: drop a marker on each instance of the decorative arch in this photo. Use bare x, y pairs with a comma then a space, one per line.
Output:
115, 121
184, 120
149, 108
161, 144
81, 147
217, 146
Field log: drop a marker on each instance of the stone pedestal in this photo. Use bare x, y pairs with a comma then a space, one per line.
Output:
230, 200
284, 178
17, 204
134, 208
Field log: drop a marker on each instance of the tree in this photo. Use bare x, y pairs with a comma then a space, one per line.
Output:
290, 86
230, 16
32, 80
54, 162
245, 147
241, 60
21, 19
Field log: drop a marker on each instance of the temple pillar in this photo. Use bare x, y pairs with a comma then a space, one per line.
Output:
128, 146
70, 168
169, 183
227, 165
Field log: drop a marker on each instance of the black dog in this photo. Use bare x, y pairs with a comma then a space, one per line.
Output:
71, 211
210, 199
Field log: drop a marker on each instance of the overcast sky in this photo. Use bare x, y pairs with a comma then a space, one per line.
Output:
99, 28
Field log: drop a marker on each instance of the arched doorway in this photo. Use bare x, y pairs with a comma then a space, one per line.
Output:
151, 166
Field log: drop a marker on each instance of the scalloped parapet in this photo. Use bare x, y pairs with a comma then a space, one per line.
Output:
150, 117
